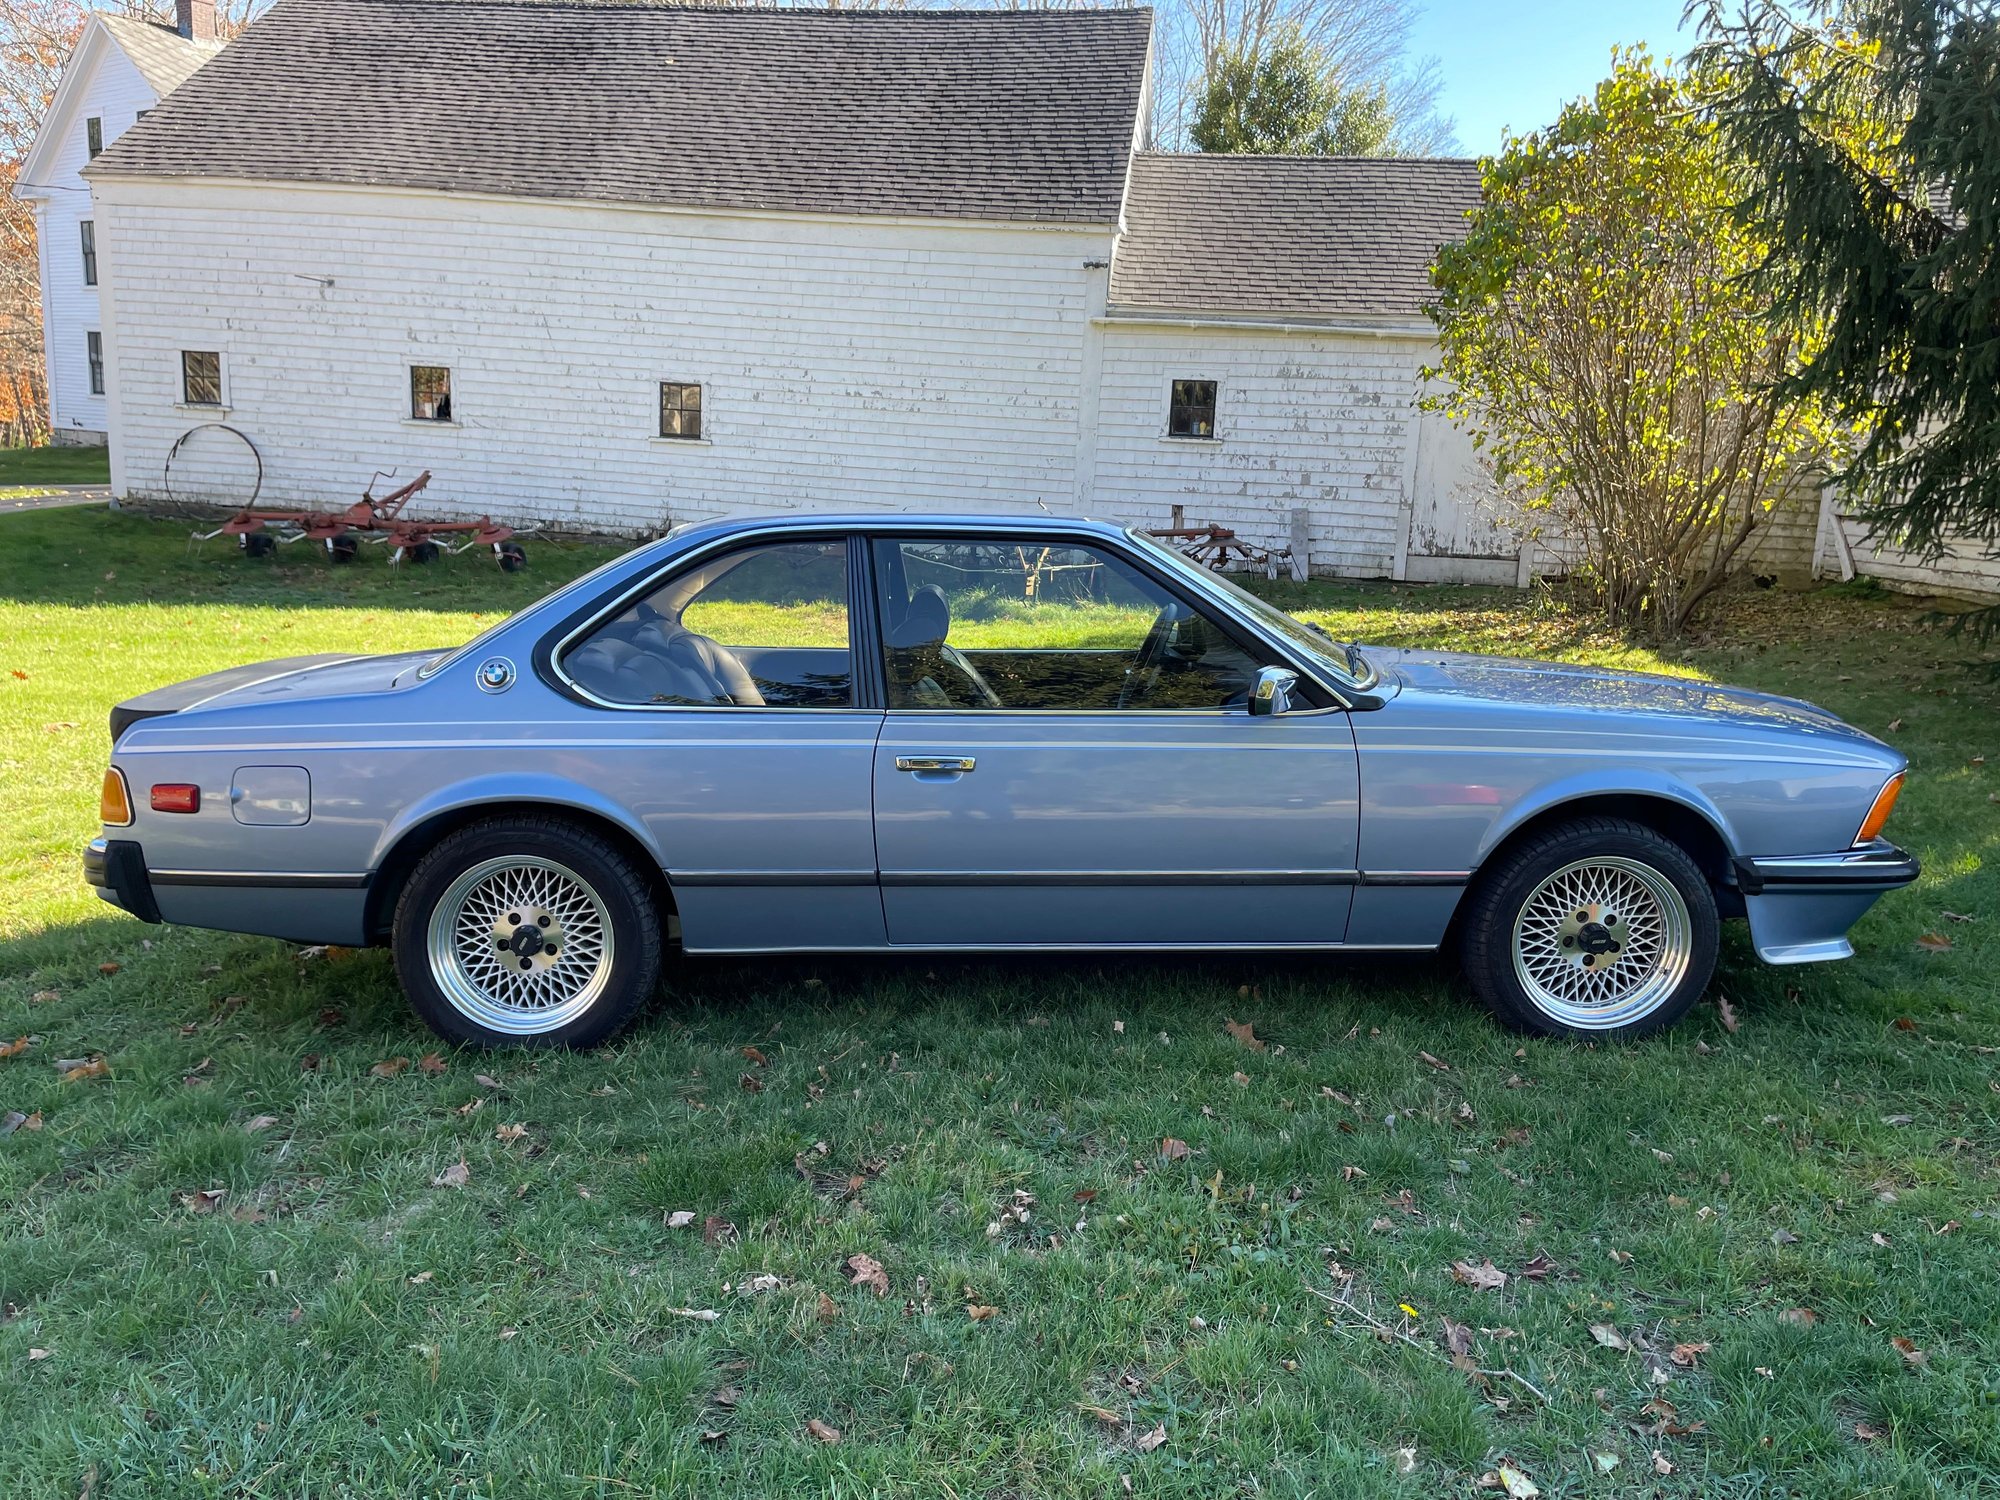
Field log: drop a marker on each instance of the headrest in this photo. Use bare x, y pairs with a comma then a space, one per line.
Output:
925, 622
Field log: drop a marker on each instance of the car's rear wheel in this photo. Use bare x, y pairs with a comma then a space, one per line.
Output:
1598, 927
527, 932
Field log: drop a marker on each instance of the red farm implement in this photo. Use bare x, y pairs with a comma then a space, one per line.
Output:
374, 518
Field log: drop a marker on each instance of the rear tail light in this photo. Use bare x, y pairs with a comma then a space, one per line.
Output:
114, 803
1878, 813
176, 797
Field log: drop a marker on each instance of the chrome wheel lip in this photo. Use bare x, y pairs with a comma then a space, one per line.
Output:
557, 987
1651, 942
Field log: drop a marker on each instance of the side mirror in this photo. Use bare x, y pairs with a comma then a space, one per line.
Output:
1273, 691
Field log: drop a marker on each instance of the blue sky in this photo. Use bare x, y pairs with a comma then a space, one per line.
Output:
1515, 64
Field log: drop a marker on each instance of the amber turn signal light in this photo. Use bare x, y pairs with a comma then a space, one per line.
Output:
1878, 814
114, 803
176, 796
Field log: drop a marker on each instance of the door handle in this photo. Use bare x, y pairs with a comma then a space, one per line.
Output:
935, 763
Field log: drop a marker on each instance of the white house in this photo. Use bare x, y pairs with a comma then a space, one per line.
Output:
623, 265
121, 69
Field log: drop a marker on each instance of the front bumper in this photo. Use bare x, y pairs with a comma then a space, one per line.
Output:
1800, 906
117, 869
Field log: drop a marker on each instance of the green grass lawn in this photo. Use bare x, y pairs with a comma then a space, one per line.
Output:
228, 1268
27, 471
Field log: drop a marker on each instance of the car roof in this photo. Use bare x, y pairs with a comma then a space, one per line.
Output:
897, 521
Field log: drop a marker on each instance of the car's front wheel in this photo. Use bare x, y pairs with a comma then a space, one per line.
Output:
527, 932
1599, 927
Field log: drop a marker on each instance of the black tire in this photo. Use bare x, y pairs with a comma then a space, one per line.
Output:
1498, 902
513, 557
343, 547
630, 955
424, 553
257, 544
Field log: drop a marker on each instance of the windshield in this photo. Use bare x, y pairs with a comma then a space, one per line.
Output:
1343, 661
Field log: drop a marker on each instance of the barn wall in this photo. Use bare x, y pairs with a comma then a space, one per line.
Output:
1323, 422
115, 93
844, 365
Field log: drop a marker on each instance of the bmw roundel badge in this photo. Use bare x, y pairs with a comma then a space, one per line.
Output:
496, 674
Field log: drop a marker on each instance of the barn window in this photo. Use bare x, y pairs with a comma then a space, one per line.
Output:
93, 135
201, 377
93, 346
1191, 409
430, 393
680, 411
89, 252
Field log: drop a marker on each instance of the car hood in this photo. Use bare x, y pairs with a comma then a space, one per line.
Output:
1562, 685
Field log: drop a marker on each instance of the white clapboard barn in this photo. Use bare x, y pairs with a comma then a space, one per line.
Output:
121, 69
620, 266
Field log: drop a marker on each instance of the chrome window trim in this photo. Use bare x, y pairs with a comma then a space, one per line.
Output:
1112, 537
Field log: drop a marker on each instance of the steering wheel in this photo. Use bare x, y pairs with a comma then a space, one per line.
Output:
1144, 672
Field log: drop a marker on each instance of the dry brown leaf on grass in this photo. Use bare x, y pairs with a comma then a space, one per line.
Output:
979, 1312
1868, 1432
1609, 1337
455, 1176
1485, 1276
14, 1120
107, 969
866, 1270
389, 1067
80, 1069
510, 1133
752, 1054
259, 1122
1662, 1465
205, 1201
824, 1432
1245, 1032
680, 1218
485, 1082
1725, 1009
1173, 1149
1510, 1481
827, 1310
1147, 1441
1914, 1357
1537, 1269
1801, 1317
16, 1047
1240, 1079
1934, 942
432, 1064
1685, 1355
716, 1230
1436, 1062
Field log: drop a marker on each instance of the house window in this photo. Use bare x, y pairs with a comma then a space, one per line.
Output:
93, 135
93, 345
680, 411
201, 377
89, 252
430, 393
1191, 409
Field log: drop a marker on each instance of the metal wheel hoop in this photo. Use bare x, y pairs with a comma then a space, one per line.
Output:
167, 474
520, 945
1602, 942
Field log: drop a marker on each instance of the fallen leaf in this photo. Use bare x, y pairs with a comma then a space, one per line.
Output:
107, 969
1605, 1462
431, 1063
827, 1309
1246, 1033
752, 1054
1879, 1239
1895, 724
1146, 1442
1537, 1269
750, 1083
866, 1270
821, 1430
1515, 1484
718, 1231
259, 1122
1685, 1355
389, 1067
421, 1277
1241, 1080
1485, 1276
1914, 1357
1457, 1339
1934, 942
44, 997
1867, 1432
510, 1133
474, 1103
1609, 1336
206, 1201
12, 1121
1801, 1317
1621, 1257
1436, 1062
1174, 1150
95, 1067
16, 1047
1783, 1237
1904, 1023
1899, 1119
1406, 1461
699, 1314
1727, 1012
763, 1281
485, 1082
1085, 1195
456, 1176
1662, 1465
36, 1354
979, 1312
681, 1218
1957, 916
712, 1435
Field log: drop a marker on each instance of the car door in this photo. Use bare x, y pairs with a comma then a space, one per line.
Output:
1069, 759
745, 740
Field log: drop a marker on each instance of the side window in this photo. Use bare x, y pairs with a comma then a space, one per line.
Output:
764, 627
1023, 625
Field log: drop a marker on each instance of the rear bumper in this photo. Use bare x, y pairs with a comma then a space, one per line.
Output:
1801, 906
117, 869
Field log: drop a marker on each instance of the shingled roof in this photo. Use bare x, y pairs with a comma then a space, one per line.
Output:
1023, 115
1336, 237
164, 58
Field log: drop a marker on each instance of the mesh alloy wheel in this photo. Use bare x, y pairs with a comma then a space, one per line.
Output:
1601, 942
520, 945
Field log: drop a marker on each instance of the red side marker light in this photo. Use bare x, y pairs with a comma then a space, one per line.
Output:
176, 797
